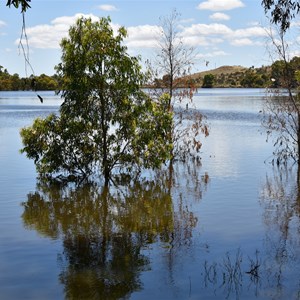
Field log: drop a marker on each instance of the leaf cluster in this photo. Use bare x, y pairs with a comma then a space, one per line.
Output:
16, 3
282, 11
59, 145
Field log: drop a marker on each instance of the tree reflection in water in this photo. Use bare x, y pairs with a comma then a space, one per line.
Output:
104, 231
106, 234
280, 199
272, 272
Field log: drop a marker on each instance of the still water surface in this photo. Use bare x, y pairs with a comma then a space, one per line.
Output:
228, 229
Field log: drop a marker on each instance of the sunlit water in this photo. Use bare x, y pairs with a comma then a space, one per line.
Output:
228, 229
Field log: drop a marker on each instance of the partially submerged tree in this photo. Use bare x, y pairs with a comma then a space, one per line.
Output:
173, 62
281, 113
106, 121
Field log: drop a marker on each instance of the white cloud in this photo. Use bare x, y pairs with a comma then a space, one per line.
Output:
2, 24
107, 7
295, 53
219, 17
212, 54
242, 42
218, 29
206, 30
144, 36
70, 20
254, 23
216, 40
216, 33
49, 36
195, 41
184, 21
246, 42
220, 5
250, 32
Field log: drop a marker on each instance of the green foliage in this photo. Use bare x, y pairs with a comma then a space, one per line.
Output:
254, 78
106, 121
283, 73
277, 73
208, 81
16, 3
58, 144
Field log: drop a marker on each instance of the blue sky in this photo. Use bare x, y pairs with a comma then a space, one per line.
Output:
223, 32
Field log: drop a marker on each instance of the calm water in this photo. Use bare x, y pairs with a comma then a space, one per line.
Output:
228, 229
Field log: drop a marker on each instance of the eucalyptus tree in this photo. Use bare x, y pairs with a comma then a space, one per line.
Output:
106, 121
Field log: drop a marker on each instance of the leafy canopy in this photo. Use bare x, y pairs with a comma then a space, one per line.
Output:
106, 121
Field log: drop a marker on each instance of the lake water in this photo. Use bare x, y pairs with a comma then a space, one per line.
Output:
226, 229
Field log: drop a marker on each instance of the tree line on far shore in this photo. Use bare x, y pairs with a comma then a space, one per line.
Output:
13, 82
265, 76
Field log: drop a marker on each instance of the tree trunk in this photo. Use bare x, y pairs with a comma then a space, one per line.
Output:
105, 166
104, 228
106, 169
106, 176
170, 178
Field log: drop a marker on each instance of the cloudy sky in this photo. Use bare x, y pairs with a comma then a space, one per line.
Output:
223, 32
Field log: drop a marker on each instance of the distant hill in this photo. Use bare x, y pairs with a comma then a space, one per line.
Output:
235, 76
220, 70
